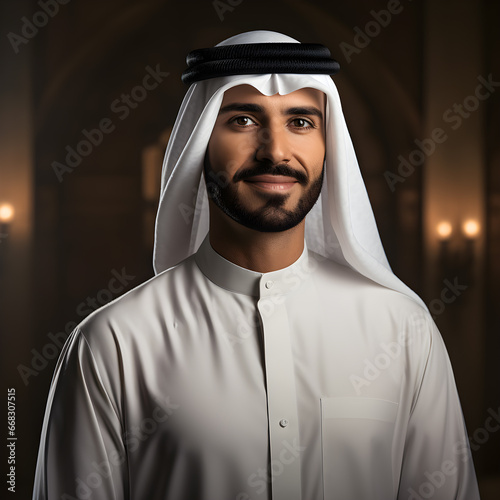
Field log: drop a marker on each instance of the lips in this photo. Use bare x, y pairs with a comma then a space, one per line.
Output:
272, 182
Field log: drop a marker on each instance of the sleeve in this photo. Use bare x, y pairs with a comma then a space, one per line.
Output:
437, 461
82, 453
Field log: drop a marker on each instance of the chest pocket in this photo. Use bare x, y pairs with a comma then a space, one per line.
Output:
356, 437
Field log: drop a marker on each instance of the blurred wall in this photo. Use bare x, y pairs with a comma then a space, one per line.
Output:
16, 239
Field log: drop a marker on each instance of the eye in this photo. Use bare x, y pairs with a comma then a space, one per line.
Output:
242, 121
302, 123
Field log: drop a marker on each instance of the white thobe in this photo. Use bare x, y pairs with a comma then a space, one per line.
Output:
215, 382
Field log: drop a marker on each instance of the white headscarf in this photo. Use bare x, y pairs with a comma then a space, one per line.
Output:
340, 226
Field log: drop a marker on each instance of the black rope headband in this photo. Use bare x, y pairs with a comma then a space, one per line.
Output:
259, 58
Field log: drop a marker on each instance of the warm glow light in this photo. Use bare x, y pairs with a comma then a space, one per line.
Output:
471, 228
6, 212
444, 230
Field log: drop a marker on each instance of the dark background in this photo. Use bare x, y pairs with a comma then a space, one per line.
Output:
69, 235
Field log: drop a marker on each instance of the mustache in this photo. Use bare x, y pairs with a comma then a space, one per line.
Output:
268, 168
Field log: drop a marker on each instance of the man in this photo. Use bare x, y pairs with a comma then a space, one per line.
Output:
275, 354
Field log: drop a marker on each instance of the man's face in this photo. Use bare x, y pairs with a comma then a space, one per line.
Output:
264, 162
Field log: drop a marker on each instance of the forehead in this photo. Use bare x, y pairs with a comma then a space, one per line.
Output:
304, 96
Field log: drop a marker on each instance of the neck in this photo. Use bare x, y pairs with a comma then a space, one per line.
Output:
254, 250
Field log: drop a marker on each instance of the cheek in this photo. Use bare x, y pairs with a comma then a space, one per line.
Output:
312, 152
218, 152
228, 151
319, 151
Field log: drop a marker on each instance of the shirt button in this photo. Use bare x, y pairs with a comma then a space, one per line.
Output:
269, 284
283, 422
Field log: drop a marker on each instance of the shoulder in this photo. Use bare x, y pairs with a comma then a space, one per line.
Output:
336, 276
352, 293
140, 310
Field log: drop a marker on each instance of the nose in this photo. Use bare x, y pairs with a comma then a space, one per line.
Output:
273, 145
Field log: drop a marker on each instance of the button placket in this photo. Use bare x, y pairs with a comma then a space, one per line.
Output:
281, 393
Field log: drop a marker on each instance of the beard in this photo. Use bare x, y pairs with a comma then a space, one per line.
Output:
273, 216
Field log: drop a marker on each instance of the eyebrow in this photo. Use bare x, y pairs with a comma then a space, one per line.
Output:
255, 108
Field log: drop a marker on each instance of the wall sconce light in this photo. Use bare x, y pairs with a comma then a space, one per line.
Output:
457, 248
6, 216
444, 230
471, 229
